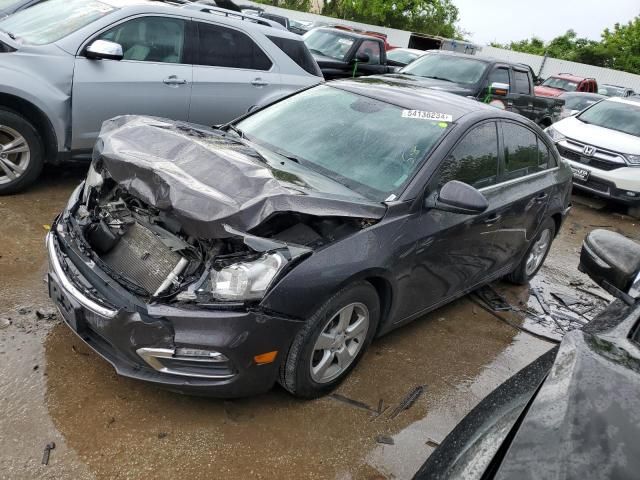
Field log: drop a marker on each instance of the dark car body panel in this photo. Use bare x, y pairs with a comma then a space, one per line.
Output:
577, 413
403, 246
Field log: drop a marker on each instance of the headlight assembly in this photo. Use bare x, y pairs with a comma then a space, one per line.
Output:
634, 160
246, 280
554, 134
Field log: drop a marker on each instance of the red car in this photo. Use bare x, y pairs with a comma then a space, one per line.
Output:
565, 82
349, 28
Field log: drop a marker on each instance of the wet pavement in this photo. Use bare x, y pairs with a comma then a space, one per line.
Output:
53, 389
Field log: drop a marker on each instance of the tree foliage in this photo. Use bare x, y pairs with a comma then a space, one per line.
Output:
618, 48
434, 17
300, 5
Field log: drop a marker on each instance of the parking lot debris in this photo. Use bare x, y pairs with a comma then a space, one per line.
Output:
47, 451
43, 315
4, 323
432, 443
353, 403
407, 401
594, 294
566, 300
383, 439
543, 304
493, 299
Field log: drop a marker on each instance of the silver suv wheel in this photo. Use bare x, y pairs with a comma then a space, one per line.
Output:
15, 154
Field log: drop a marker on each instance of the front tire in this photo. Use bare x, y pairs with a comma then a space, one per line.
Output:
536, 255
21, 153
331, 342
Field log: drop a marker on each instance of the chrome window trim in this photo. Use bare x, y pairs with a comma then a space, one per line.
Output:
519, 179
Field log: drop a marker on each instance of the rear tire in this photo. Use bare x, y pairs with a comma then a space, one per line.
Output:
21, 153
331, 342
536, 254
634, 212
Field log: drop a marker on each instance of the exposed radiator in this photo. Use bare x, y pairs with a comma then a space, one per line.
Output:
142, 257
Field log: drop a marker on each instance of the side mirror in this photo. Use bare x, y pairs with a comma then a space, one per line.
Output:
458, 197
498, 88
104, 49
361, 58
613, 262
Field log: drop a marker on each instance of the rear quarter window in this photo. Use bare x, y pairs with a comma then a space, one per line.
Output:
524, 152
219, 46
522, 82
297, 51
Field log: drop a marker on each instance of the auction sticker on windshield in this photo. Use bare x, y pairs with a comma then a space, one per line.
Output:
422, 115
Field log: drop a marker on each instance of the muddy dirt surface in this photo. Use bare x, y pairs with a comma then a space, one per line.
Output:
54, 389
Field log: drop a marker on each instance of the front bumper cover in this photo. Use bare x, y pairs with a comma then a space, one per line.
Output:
116, 327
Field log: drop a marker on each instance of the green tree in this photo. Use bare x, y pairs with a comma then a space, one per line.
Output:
434, 17
300, 5
618, 49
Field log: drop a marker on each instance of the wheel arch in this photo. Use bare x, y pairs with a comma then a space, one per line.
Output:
38, 118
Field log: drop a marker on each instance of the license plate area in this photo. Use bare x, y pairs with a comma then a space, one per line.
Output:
580, 174
69, 309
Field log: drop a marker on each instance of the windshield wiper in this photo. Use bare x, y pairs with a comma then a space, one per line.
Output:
235, 130
313, 50
11, 35
288, 156
438, 78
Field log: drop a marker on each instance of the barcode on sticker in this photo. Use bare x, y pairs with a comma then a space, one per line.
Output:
422, 115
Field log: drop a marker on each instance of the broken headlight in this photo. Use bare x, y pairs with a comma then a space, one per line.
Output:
246, 280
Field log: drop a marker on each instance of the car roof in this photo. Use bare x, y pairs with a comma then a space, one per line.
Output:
350, 33
635, 100
410, 50
412, 97
481, 58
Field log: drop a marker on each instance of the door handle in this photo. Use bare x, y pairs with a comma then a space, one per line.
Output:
495, 218
541, 197
174, 80
258, 82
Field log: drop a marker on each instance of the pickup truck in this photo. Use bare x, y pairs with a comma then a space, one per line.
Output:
558, 84
509, 86
341, 53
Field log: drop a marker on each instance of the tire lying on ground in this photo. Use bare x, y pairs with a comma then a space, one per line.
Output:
21, 153
536, 254
331, 342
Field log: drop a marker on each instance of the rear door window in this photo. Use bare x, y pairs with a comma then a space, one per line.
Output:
474, 160
521, 154
522, 82
224, 47
297, 51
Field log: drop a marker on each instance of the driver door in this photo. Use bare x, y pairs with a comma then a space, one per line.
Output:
153, 78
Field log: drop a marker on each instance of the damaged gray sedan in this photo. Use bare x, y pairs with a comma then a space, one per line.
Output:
275, 248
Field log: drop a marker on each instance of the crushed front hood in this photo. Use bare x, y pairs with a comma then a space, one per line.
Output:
206, 180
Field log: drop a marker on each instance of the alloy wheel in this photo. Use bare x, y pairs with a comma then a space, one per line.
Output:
15, 154
339, 342
538, 252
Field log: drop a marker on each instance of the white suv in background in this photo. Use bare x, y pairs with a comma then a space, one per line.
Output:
602, 145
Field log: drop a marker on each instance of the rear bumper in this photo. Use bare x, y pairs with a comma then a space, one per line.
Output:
122, 332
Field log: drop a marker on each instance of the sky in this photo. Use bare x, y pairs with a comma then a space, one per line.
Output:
506, 20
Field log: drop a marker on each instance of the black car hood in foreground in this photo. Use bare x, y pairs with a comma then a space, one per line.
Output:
583, 422
206, 179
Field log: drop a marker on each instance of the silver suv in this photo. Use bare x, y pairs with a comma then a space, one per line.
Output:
68, 65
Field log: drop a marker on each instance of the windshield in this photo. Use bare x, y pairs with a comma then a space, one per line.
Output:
560, 84
611, 91
620, 116
369, 146
402, 56
579, 102
52, 20
328, 43
445, 67
7, 3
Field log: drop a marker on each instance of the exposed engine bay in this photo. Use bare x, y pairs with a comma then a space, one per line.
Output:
146, 250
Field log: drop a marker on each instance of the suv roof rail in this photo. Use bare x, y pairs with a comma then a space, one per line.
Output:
202, 7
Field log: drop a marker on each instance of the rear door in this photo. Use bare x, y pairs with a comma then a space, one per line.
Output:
231, 75
525, 185
153, 78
